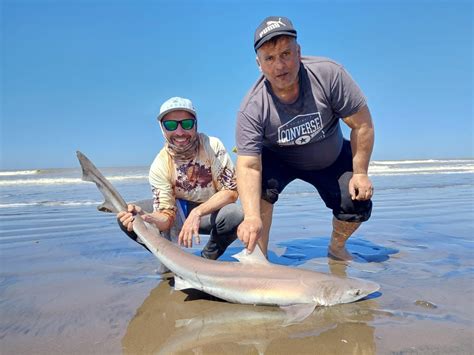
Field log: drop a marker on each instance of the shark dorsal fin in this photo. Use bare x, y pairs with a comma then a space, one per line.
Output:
256, 257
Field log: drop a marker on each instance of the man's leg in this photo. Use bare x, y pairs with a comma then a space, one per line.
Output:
341, 231
276, 175
332, 184
223, 230
211, 250
347, 219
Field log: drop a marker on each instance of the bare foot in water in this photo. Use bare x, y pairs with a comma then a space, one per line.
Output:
339, 253
340, 233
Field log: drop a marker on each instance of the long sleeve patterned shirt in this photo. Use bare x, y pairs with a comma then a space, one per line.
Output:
196, 180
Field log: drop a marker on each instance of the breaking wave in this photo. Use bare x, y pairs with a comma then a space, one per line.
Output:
66, 181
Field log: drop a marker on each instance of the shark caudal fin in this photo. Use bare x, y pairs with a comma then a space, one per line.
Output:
113, 201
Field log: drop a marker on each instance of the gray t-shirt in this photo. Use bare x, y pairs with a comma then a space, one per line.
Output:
305, 134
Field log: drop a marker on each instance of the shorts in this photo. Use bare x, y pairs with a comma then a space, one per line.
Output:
332, 184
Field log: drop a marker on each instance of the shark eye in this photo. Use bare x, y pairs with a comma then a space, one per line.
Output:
357, 293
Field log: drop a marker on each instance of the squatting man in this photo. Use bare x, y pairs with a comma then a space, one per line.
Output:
192, 174
288, 127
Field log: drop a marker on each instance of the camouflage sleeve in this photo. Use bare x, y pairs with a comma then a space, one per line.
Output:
162, 188
157, 205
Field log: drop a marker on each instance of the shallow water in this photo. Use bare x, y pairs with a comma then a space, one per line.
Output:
71, 282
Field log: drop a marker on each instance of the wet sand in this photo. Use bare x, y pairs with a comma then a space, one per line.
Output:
72, 283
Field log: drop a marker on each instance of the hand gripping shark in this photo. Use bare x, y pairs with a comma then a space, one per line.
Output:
252, 280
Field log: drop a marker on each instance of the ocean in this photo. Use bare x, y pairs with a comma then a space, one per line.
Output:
50, 188
72, 282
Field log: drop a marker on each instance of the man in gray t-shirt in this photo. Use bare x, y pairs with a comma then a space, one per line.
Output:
288, 127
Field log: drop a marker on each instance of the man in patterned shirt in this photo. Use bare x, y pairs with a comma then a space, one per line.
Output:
192, 174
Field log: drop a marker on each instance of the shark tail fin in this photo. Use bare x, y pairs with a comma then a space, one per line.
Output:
106, 207
86, 166
113, 201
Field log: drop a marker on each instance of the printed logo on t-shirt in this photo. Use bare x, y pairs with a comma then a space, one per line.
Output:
300, 130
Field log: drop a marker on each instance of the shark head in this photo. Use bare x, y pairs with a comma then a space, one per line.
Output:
357, 289
347, 290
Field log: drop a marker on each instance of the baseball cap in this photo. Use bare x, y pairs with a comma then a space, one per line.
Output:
174, 104
271, 27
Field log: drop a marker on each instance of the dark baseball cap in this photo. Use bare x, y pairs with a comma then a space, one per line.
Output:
271, 27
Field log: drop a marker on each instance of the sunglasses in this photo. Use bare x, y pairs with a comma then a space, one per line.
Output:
186, 124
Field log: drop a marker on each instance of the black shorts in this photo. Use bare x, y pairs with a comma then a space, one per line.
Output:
332, 184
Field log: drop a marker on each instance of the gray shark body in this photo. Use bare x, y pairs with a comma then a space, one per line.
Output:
252, 280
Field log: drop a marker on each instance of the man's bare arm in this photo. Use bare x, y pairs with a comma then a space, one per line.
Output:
249, 180
362, 144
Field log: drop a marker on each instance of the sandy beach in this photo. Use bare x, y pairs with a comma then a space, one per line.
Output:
72, 283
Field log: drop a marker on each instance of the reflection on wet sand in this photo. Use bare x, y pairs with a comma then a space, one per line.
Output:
171, 321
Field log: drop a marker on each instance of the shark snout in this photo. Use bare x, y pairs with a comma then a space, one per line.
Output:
365, 289
358, 289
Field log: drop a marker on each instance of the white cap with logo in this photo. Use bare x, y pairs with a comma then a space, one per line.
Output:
174, 104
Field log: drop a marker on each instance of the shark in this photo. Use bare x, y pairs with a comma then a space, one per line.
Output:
252, 279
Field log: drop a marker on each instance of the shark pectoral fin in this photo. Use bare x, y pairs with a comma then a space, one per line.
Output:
181, 284
260, 345
256, 257
297, 313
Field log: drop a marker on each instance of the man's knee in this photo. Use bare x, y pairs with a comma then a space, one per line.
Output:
354, 211
228, 218
351, 210
234, 213
270, 191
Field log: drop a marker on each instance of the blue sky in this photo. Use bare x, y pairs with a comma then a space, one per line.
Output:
90, 75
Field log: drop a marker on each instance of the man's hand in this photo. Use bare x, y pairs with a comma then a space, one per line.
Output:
360, 187
362, 143
190, 229
249, 231
126, 218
